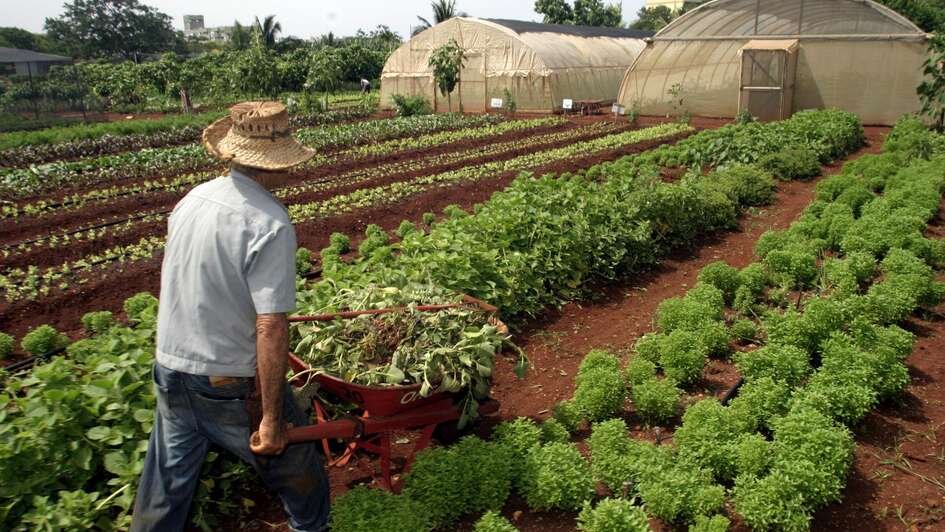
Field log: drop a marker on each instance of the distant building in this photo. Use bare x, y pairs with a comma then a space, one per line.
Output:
28, 62
194, 27
674, 4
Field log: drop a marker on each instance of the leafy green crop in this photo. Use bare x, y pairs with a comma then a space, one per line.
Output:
613, 515
716, 523
493, 522
362, 509
97, 322
656, 400
557, 476
43, 339
7, 344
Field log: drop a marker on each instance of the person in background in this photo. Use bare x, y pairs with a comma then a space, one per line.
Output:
365, 86
227, 284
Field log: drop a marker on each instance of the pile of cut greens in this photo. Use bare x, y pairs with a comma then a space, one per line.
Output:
450, 350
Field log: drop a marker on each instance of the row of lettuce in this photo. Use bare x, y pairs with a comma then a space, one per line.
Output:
821, 309
84, 418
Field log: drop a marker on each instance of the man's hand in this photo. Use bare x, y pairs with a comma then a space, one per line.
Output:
270, 439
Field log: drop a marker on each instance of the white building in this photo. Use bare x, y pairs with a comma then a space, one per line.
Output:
194, 27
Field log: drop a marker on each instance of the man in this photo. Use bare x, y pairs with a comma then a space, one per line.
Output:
227, 282
365, 86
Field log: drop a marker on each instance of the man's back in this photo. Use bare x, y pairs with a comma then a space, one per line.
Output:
229, 256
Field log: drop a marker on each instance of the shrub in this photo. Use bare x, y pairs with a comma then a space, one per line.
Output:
685, 313
363, 508
640, 370
405, 228
704, 523
7, 343
753, 278
785, 363
716, 339
609, 445
613, 515
656, 400
557, 476
141, 308
746, 185
97, 322
553, 431
490, 522
648, 346
752, 454
472, 476
722, 276
770, 241
43, 339
758, 402
601, 389
597, 360
518, 437
410, 105
790, 163
375, 239
792, 266
744, 330
683, 356
303, 261
705, 437
680, 491
567, 414
770, 503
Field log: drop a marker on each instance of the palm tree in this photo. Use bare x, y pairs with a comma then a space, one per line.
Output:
267, 30
442, 10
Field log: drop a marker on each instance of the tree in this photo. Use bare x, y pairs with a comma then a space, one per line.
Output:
108, 28
443, 10
447, 62
24, 40
932, 90
325, 71
653, 18
583, 13
267, 30
926, 14
240, 37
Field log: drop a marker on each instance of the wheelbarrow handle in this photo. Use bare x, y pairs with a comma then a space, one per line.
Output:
338, 429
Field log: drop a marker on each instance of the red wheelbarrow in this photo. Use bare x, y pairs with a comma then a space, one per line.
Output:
382, 410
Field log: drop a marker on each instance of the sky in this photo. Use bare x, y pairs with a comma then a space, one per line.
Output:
300, 18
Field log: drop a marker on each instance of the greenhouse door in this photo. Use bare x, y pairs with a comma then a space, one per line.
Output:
767, 79
472, 83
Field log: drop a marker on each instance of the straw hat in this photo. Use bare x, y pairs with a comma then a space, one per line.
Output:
256, 134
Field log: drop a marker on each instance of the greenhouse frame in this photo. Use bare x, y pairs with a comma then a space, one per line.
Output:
772, 58
540, 65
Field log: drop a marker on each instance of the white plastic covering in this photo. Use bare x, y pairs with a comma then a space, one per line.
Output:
540, 68
853, 54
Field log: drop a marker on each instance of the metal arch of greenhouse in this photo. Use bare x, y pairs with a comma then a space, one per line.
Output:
855, 55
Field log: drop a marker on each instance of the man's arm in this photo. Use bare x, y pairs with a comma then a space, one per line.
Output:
272, 359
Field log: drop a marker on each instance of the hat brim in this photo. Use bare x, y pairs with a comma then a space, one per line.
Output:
277, 153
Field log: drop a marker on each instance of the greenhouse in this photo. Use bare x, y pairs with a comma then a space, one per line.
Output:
775, 57
540, 65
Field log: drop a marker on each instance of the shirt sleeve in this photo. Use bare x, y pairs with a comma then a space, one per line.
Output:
270, 271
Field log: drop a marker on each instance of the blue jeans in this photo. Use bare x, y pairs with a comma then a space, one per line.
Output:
192, 414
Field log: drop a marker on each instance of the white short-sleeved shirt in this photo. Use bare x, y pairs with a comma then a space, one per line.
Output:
230, 255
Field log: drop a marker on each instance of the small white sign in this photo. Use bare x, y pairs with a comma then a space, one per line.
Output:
496, 103
618, 109
567, 103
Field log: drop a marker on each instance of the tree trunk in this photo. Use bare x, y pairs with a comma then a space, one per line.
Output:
185, 104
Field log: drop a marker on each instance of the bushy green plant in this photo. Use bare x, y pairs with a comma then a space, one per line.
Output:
374, 239
553, 431
722, 276
680, 491
405, 228
141, 308
746, 185
601, 389
410, 105
71, 510
706, 435
704, 523
758, 402
609, 445
471, 476
567, 414
492, 521
557, 476
640, 370
792, 162
43, 339
648, 347
752, 455
97, 322
613, 515
792, 266
744, 330
785, 363
656, 400
683, 356
303, 261
7, 344
685, 313
428, 218
362, 509
518, 436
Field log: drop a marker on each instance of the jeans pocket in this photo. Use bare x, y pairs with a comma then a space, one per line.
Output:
159, 375
221, 410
